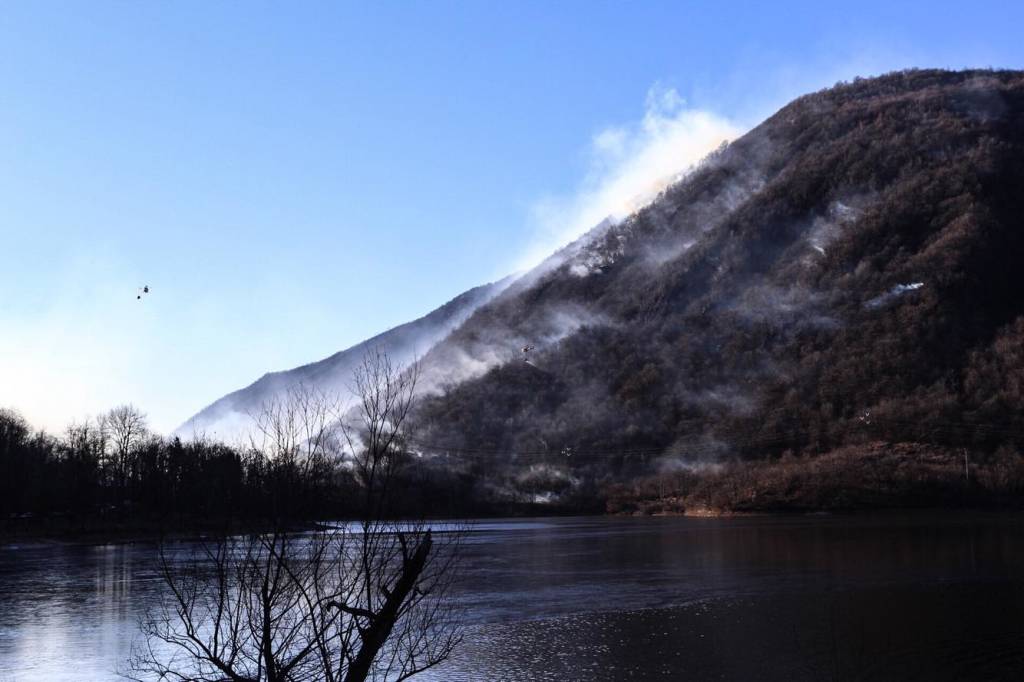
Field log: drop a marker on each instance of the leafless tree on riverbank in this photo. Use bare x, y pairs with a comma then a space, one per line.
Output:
368, 600
125, 430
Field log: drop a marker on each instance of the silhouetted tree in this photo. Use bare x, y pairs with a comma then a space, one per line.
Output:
349, 603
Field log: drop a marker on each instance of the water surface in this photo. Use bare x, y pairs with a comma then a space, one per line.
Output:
891, 597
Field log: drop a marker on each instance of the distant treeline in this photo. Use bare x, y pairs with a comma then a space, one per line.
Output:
113, 468
114, 472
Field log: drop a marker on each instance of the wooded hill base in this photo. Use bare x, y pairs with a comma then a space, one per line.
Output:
873, 476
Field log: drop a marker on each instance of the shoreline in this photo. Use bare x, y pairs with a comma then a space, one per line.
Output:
139, 535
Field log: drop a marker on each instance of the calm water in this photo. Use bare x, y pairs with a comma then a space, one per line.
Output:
921, 597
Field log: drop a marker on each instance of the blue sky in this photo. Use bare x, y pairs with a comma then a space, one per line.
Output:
290, 178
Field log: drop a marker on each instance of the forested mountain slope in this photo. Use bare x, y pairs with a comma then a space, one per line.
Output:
847, 271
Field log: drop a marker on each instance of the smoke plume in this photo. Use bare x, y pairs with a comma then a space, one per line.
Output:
628, 166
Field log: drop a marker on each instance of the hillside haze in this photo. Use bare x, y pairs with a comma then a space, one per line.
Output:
845, 272
230, 415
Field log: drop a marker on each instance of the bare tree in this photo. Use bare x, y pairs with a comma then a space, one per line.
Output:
377, 428
297, 428
87, 438
299, 433
124, 430
367, 600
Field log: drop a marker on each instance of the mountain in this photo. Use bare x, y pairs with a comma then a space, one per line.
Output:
229, 415
848, 271
845, 274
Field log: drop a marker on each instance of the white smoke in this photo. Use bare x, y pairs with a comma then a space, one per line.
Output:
892, 294
628, 166
455, 362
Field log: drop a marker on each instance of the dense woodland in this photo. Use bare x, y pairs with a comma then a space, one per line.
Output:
112, 472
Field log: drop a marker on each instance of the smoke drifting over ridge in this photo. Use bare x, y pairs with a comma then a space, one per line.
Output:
628, 166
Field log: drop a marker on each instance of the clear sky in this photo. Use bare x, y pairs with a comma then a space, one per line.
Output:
290, 178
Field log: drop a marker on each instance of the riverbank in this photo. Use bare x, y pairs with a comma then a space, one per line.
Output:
62, 528
864, 477
874, 476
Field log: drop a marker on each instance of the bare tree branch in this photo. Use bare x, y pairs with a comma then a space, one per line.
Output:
364, 601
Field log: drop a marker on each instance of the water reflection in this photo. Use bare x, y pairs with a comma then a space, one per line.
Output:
937, 597
69, 610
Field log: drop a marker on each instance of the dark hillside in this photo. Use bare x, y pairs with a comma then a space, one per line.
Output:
846, 272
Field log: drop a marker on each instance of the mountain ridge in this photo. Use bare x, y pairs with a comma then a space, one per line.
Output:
333, 373
843, 273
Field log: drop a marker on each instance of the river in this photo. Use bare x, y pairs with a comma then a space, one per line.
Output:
923, 596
